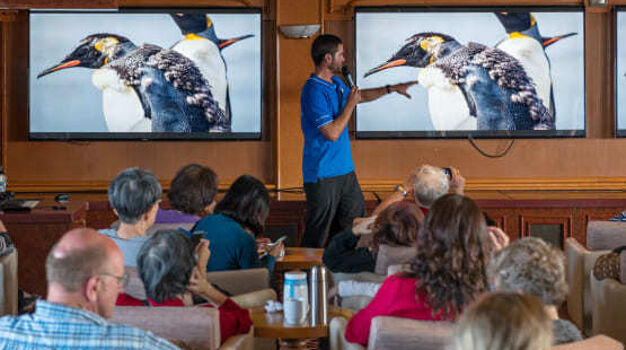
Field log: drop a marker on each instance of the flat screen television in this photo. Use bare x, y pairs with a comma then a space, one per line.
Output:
480, 71
620, 71
145, 74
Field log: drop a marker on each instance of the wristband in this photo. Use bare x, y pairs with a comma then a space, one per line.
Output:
388, 88
401, 189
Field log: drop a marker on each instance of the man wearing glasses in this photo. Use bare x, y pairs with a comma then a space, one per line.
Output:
85, 273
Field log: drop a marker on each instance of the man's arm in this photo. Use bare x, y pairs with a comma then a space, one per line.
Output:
368, 95
333, 130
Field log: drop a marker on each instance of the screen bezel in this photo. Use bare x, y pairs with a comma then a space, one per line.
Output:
433, 134
160, 136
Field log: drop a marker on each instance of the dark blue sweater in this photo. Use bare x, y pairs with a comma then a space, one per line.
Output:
232, 248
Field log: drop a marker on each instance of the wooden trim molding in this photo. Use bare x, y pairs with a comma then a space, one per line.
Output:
90, 186
521, 184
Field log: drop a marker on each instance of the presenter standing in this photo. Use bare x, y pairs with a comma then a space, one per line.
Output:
333, 194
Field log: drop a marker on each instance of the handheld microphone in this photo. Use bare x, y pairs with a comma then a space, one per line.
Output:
347, 75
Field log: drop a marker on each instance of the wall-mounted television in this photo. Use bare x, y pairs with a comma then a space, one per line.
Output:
620, 71
145, 74
480, 71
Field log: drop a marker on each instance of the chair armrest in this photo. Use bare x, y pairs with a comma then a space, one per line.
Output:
240, 281
608, 308
253, 299
336, 334
240, 342
598, 342
8, 284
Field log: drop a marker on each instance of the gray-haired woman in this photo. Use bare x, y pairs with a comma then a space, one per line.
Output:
134, 195
531, 266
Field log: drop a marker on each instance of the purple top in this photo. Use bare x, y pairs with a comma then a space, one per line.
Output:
174, 217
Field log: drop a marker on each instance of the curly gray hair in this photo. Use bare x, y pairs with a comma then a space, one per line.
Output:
531, 266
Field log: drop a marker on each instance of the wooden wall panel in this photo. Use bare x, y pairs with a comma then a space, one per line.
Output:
593, 162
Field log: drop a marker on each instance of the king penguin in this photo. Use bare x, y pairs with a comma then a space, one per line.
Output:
525, 43
169, 89
204, 48
471, 81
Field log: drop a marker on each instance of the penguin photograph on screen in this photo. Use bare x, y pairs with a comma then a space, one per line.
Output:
471, 81
525, 43
146, 88
202, 45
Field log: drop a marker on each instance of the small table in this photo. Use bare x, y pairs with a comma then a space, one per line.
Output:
271, 325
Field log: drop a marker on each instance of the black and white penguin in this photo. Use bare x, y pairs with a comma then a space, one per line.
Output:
203, 47
525, 43
169, 90
472, 80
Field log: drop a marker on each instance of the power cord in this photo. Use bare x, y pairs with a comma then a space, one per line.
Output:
470, 138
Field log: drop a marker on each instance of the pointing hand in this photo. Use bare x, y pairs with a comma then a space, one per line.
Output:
402, 87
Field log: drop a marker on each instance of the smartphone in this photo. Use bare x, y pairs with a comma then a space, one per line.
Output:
196, 237
448, 172
278, 241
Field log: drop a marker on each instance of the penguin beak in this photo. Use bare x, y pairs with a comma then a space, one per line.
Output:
62, 65
386, 65
549, 41
224, 43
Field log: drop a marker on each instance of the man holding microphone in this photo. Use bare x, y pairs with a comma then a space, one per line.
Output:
333, 194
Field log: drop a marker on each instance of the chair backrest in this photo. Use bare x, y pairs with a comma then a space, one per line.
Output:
197, 326
598, 342
391, 255
605, 235
8, 284
608, 308
393, 333
238, 282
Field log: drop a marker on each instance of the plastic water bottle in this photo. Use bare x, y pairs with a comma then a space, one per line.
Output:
3, 181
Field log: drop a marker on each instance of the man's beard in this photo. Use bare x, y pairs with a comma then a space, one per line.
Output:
334, 67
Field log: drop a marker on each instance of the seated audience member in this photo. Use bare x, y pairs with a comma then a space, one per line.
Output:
504, 321
448, 272
425, 186
85, 272
134, 195
191, 195
239, 218
397, 225
533, 267
171, 277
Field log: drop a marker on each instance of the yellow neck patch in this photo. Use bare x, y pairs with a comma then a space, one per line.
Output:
193, 36
517, 35
209, 22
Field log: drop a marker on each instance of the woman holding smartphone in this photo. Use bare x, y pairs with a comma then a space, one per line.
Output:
238, 218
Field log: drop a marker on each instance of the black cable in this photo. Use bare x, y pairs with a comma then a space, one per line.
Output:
502, 154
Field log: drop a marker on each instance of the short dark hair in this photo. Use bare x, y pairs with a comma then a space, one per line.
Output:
193, 188
247, 202
165, 263
323, 44
133, 192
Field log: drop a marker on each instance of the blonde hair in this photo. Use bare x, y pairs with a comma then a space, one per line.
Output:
504, 321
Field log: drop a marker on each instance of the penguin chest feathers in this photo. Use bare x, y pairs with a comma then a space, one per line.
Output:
207, 57
121, 106
531, 55
447, 105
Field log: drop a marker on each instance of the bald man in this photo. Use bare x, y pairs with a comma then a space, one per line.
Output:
85, 272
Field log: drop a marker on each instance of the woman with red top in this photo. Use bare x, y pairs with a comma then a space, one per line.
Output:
171, 277
449, 270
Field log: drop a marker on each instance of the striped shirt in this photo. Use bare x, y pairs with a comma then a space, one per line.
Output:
59, 327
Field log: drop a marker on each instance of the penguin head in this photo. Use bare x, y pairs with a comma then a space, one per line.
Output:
419, 51
191, 22
94, 51
516, 21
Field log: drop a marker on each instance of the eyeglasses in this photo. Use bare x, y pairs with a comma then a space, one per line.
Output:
121, 280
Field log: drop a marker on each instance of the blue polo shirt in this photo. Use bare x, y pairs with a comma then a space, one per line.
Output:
321, 102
